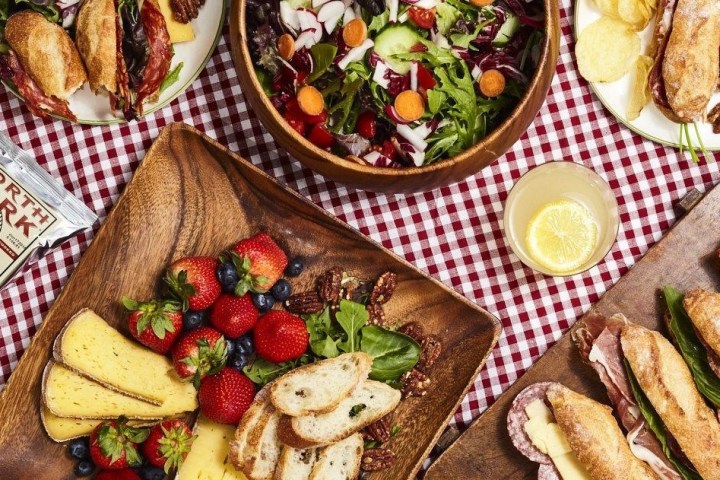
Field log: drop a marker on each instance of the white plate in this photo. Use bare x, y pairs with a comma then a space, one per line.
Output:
651, 124
91, 109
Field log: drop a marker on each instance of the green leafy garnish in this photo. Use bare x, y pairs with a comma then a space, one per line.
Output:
378, 22
323, 55
393, 353
356, 409
351, 317
691, 347
172, 77
261, 371
324, 334
49, 11
656, 425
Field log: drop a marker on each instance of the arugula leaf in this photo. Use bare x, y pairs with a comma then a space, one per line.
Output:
351, 317
323, 55
378, 22
657, 426
172, 77
324, 335
393, 353
447, 16
435, 98
261, 371
463, 39
691, 347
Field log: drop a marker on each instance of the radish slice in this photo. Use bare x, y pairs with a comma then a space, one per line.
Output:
357, 10
476, 72
423, 131
355, 54
331, 24
408, 134
413, 76
289, 15
393, 5
306, 19
418, 158
373, 156
319, 3
330, 10
348, 15
306, 39
392, 113
379, 76
426, 4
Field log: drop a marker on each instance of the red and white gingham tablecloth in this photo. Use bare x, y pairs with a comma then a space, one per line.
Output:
454, 233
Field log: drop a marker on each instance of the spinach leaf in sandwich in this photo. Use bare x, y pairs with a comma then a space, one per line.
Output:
657, 426
691, 347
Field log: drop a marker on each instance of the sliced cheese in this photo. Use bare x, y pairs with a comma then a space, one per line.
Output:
548, 437
179, 32
94, 349
208, 457
64, 429
68, 394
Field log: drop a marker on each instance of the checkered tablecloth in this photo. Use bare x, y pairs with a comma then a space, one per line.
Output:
453, 233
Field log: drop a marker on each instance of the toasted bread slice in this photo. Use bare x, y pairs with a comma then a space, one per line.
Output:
247, 423
97, 42
262, 451
295, 464
320, 386
369, 402
339, 461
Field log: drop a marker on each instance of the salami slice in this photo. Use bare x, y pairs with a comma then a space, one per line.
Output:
517, 418
547, 471
160, 57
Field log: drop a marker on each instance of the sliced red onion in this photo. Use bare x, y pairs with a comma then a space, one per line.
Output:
306, 39
418, 158
373, 156
393, 5
461, 53
348, 16
380, 76
377, 159
475, 72
319, 3
331, 10
413, 76
348, 3
423, 131
374, 59
287, 64
392, 113
398, 83
426, 4
331, 24
306, 19
289, 15
355, 54
409, 134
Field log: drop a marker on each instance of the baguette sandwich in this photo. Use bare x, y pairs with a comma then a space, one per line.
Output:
126, 48
43, 63
668, 423
571, 436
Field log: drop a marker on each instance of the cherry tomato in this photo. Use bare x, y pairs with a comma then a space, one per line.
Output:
297, 125
367, 124
294, 112
321, 137
425, 77
423, 18
388, 149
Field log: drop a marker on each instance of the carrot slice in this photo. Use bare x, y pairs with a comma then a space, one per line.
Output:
310, 100
482, 3
286, 46
355, 32
409, 105
492, 83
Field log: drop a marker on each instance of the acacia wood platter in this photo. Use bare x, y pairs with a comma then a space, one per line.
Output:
192, 196
684, 258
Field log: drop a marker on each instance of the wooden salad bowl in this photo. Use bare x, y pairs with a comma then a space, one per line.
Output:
403, 180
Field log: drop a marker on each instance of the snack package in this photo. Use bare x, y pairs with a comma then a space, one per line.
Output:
36, 212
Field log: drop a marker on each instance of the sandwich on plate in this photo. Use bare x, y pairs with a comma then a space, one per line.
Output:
571, 436
126, 48
42, 62
668, 423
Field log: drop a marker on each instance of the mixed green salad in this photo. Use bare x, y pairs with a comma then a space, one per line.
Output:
395, 83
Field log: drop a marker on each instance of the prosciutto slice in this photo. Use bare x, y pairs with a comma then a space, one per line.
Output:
662, 36
158, 64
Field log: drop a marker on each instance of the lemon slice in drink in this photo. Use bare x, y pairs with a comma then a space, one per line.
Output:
562, 236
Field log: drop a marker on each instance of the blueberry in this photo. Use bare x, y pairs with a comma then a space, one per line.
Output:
231, 347
79, 449
227, 275
244, 344
281, 290
192, 320
238, 361
150, 472
84, 468
263, 301
295, 267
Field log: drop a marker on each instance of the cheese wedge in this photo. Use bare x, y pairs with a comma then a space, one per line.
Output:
208, 457
91, 347
64, 429
179, 32
68, 394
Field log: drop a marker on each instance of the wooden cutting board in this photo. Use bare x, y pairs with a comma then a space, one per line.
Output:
685, 258
191, 196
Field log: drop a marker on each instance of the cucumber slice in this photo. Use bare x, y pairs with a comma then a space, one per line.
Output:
394, 40
508, 29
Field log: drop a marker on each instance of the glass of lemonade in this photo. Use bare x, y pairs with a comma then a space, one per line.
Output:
561, 218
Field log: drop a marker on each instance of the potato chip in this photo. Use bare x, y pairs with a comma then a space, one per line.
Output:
609, 8
635, 12
606, 50
640, 92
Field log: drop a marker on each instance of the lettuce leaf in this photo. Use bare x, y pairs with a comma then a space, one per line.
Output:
393, 353
657, 426
691, 348
47, 9
172, 77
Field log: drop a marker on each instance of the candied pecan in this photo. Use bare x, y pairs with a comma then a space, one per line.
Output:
413, 330
375, 459
415, 383
329, 284
305, 302
430, 351
384, 288
185, 10
380, 429
376, 314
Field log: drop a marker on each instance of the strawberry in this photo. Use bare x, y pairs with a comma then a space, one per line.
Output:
234, 316
124, 474
192, 280
113, 445
226, 396
261, 263
280, 336
168, 444
199, 352
155, 324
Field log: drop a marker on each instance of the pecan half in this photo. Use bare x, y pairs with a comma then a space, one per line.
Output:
376, 314
430, 351
305, 302
185, 10
415, 383
384, 288
329, 284
380, 430
376, 459
413, 330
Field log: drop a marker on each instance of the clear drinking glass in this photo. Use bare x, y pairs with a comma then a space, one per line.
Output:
555, 181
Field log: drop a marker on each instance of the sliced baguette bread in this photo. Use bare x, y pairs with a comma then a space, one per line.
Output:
247, 423
320, 386
262, 451
339, 461
369, 402
295, 464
